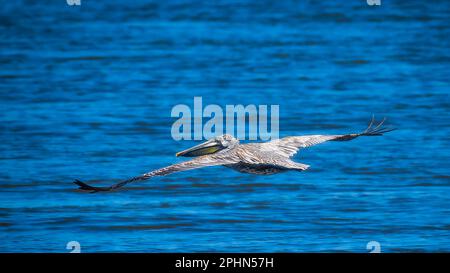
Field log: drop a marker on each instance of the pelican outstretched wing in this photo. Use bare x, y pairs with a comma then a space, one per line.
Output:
289, 146
199, 162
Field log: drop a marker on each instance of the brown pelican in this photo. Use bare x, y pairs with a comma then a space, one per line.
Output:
256, 158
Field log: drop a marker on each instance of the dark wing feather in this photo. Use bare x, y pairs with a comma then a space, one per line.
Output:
199, 162
289, 146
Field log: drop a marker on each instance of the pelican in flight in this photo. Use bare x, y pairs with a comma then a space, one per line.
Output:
256, 158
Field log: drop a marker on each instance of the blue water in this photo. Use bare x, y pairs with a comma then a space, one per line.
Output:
86, 92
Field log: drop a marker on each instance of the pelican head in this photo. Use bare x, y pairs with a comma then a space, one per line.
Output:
211, 146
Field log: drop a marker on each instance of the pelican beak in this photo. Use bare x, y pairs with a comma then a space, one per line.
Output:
208, 147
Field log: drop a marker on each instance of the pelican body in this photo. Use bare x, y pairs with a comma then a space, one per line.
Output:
255, 158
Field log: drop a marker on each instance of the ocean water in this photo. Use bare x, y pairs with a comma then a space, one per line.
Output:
86, 93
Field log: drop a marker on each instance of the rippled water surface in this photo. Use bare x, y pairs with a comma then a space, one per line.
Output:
86, 92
